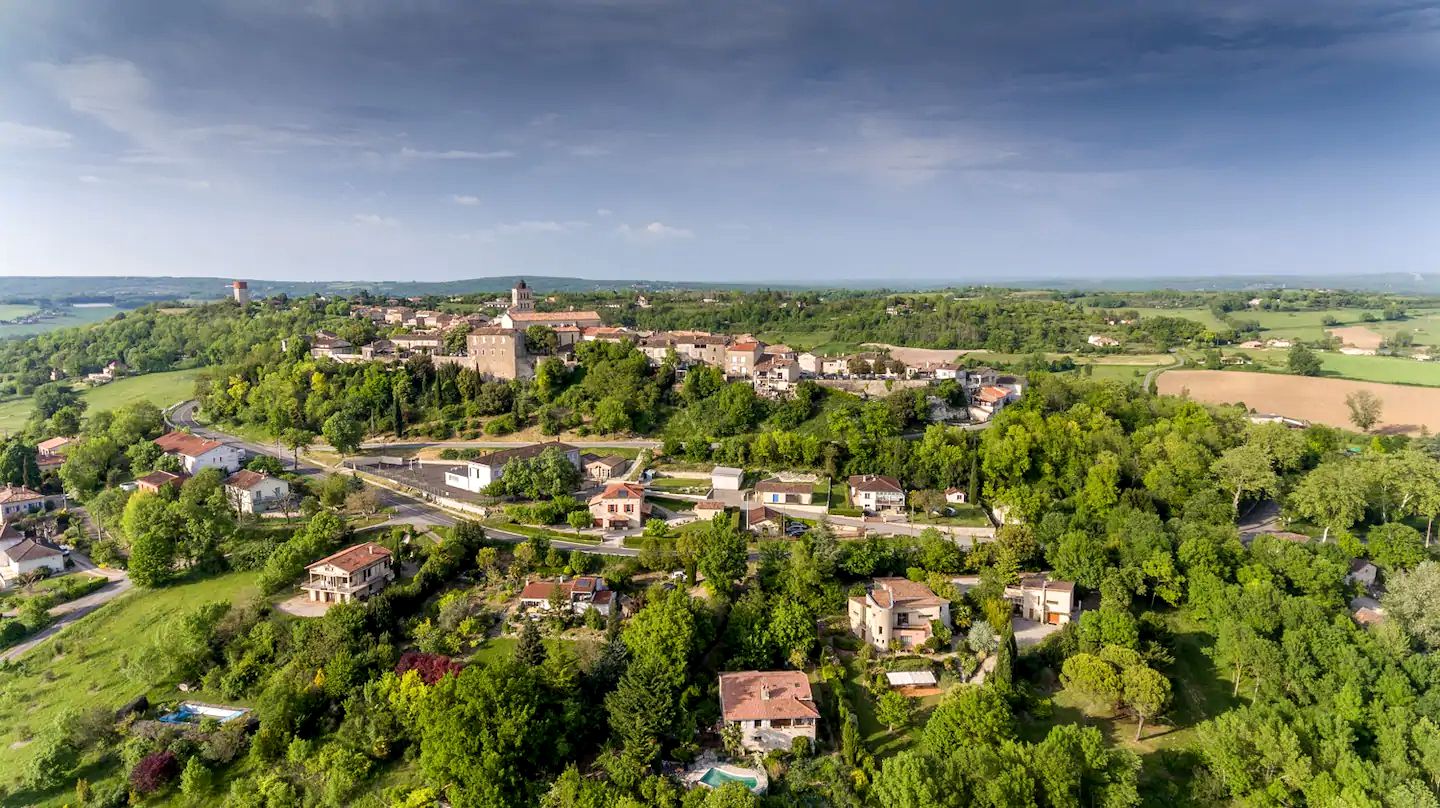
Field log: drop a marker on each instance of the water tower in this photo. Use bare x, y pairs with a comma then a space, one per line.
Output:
240, 290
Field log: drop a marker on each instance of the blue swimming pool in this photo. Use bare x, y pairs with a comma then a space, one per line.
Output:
192, 713
719, 777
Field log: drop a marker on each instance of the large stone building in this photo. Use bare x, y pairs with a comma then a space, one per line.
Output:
897, 610
771, 708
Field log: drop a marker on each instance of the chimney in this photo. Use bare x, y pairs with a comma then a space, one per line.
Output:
764, 692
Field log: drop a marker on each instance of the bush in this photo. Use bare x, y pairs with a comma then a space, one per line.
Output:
502, 425
153, 771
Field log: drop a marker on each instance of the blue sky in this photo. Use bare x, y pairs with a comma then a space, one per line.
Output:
799, 141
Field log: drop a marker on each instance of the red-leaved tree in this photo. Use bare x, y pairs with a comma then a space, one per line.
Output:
431, 667
153, 771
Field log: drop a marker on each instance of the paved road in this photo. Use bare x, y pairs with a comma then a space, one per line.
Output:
67, 613
1150, 377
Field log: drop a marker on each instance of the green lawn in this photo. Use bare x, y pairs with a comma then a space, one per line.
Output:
965, 516
73, 316
1200, 314
162, 389
9, 311
1395, 369
90, 669
684, 485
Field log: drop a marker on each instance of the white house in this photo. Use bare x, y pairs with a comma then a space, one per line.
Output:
197, 454
949, 370
726, 478
1102, 341
876, 492
584, 593
955, 496
480, 472
19, 555
17, 500
771, 708
254, 492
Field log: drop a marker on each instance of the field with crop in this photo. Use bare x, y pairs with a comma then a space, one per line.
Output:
1405, 409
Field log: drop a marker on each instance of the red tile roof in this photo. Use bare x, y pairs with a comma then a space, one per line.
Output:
18, 493
155, 479
620, 491
354, 558
757, 695
246, 479
875, 482
906, 592
186, 444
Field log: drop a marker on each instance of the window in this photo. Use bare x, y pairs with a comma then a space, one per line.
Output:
902, 619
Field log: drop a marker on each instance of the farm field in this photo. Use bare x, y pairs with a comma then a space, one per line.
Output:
9, 311
162, 389
91, 670
1322, 400
1200, 315
1387, 369
76, 315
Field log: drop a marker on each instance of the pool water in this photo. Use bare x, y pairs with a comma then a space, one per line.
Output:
718, 777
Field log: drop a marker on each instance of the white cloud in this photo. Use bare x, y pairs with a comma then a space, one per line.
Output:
537, 226
375, 220
884, 152
408, 153
23, 136
655, 231
465, 199
115, 93
603, 212
586, 150
89, 179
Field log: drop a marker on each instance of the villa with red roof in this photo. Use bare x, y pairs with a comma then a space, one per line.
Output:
772, 708
354, 573
621, 505
197, 454
584, 593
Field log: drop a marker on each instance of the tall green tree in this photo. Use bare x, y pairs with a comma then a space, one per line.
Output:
1245, 471
1332, 495
18, 464
153, 532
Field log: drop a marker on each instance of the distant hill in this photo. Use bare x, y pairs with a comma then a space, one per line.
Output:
134, 291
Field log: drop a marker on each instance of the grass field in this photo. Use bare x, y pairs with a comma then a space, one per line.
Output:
1200, 315
964, 516
162, 389
826, 341
90, 669
73, 316
1387, 369
9, 311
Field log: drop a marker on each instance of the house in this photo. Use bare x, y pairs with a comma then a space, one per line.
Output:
49, 453
809, 363
328, 344
418, 343
776, 491
522, 314
1362, 572
726, 478
17, 501
1252, 344
1275, 418
494, 352
197, 454
254, 492
741, 359
776, 375
603, 333
19, 555
1350, 350
771, 708
657, 348
988, 401
896, 610
1041, 600
955, 496
835, 366
1366, 611
783, 353
1234, 360
1279, 343
620, 506
978, 378
583, 593
761, 519
480, 472
357, 572
949, 370
1102, 341
601, 469
155, 481
708, 508
876, 492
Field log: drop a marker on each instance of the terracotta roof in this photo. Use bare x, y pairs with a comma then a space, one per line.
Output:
756, 514
990, 395
585, 585
620, 491
756, 695
354, 558
155, 479
744, 346
778, 349
31, 550
775, 485
503, 456
246, 479
54, 444
547, 316
907, 592
18, 493
875, 482
709, 505
9, 531
186, 444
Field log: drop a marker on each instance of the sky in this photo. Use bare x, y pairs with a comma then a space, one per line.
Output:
799, 141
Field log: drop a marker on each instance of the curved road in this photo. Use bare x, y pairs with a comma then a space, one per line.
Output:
70, 611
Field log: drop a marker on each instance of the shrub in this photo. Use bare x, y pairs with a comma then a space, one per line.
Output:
153, 771
431, 667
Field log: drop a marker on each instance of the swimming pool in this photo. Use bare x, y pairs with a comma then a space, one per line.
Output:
719, 777
193, 713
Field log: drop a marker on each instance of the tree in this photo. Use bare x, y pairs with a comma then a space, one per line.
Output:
969, 716
1365, 409
51, 398
578, 520
153, 771
343, 432
1093, 679
296, 440
723, 560
540, 339
1303, 362
792, 629
195, 781
1395, 546
1410, 597
365, 501
18, 464
1146, 693
152, 530
1245, 471
894, 709
530, 648
1333, 495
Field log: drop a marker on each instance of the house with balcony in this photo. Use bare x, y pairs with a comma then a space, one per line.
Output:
1041, 600
897, 610
875, 493
197, 454
771, 708
620, 506
583, 593
355, 573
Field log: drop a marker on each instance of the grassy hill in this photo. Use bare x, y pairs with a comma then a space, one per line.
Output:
162, 389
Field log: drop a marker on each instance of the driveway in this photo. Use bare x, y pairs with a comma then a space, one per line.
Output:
69, 612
